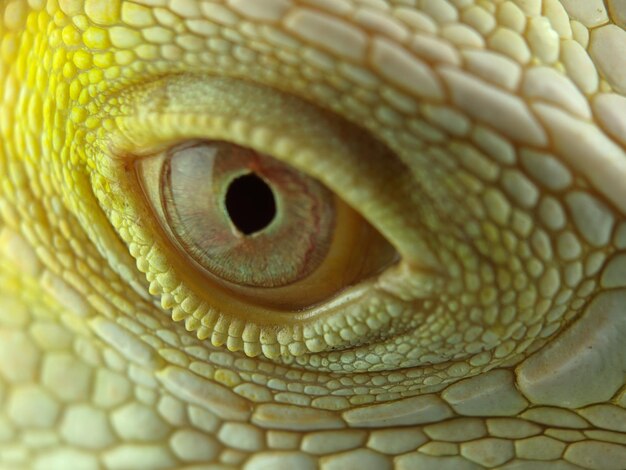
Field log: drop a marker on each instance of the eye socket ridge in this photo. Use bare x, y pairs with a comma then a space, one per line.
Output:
341, 156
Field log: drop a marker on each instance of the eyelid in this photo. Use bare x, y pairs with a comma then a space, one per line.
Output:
347, 159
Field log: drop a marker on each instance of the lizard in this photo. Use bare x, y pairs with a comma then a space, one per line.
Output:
484, 141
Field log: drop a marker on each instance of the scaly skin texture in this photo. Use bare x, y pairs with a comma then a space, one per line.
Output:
496, 342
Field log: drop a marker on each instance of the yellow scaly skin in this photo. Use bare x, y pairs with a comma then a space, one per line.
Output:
497, 342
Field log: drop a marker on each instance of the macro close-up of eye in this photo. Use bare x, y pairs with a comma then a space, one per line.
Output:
257, 227
313, 234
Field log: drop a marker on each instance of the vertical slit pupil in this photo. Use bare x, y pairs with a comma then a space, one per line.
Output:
250, 203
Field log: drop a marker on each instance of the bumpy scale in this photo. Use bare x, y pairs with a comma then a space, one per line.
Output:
497, 341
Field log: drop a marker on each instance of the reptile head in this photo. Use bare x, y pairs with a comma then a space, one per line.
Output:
334, 233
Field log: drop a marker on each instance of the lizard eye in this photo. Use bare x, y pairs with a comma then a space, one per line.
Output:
267, 224
245, 217
253, 225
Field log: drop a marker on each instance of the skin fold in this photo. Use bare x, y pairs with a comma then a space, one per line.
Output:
485, 141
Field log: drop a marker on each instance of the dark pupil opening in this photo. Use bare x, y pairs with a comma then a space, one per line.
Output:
250, 203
